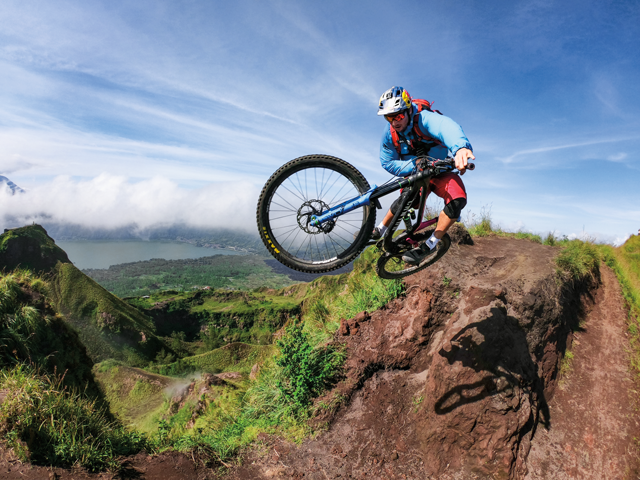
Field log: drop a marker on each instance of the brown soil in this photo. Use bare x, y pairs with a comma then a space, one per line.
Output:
591, 436
452, 383
167, 466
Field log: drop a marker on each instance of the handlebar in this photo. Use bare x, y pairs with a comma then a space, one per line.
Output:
447, 163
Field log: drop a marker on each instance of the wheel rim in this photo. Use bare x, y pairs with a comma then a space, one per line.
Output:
310, 191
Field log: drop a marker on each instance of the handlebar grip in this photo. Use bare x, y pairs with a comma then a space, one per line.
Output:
471, 166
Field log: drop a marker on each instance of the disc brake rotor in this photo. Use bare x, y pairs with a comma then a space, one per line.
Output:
312, 208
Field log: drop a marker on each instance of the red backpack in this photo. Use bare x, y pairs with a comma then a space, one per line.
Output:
422, 105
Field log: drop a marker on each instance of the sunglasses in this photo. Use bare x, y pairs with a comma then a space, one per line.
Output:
397, 116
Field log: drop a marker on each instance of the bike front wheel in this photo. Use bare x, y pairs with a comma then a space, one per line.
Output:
305, 187
391, 266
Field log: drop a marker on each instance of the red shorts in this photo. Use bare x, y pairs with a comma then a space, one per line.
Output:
447, 186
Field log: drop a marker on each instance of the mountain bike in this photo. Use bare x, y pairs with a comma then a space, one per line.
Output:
317, 213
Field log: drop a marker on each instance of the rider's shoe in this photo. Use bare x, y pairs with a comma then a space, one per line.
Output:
376, 235
415, 256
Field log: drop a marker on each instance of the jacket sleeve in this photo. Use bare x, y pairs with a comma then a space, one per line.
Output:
445, 130
390, 158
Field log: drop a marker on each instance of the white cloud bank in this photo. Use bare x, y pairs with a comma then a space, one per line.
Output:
109, 202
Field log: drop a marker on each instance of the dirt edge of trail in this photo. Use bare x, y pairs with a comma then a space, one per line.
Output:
594, 422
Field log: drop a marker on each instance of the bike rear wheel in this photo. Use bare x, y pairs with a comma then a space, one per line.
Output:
308, 186
391, 266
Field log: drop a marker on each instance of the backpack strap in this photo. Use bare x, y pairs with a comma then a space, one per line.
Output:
420, 105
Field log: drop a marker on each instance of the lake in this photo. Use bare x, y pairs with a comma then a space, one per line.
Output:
104, 253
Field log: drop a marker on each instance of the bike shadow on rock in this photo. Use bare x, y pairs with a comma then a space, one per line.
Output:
496, 347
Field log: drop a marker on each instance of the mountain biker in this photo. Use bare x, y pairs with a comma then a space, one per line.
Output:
437, 136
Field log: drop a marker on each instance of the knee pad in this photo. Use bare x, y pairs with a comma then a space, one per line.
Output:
454, 208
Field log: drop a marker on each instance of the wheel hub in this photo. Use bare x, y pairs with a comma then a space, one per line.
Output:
312, 208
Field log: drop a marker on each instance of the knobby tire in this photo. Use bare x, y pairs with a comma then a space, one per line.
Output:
386, 262
290, 195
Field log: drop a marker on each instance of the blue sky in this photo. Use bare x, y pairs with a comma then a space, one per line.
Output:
154, 112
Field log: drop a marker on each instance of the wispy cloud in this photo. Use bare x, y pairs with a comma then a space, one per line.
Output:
552, 148
617, 157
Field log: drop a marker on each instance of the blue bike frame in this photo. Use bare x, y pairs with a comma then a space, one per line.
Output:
372, 194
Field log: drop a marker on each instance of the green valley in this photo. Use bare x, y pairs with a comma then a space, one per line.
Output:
240, 272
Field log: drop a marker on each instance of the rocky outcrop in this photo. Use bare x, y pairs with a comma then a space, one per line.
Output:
451, 381
31, 248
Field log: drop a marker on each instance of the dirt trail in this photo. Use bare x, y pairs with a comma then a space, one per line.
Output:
592, 417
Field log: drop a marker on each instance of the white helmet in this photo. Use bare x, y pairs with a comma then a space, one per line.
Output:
394, 100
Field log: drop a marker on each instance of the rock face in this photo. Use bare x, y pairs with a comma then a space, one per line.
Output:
451, 381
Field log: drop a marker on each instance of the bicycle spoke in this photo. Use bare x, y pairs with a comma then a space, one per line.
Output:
294, 227
295, 195
334, 182
334, 232
296, 186
292, 243
344, 198
347, 182
289, 233
294, 208
318, 248
322, 183
333, 244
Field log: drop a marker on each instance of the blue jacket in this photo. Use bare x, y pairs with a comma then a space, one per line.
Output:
432, 124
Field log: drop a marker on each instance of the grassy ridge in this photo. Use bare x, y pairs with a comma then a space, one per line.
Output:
29, 248
198, 322
109, 327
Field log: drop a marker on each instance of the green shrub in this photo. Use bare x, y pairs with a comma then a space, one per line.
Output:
307, 370
550, 240
19, 320
527, 236
48, 425
480, 227
579, 259
365, 290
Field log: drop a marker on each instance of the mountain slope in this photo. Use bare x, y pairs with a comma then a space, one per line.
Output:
107, 326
